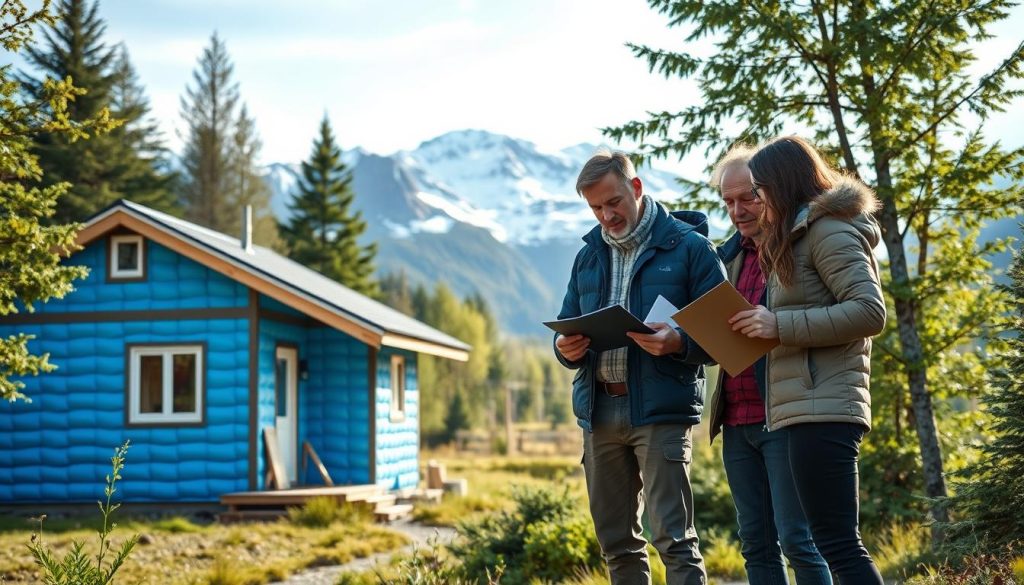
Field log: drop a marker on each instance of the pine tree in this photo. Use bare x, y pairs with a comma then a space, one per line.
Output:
323, 230
991, 491
108, 167
247, 185
148, 178
396, 293
30, 268
208, 108
888, 90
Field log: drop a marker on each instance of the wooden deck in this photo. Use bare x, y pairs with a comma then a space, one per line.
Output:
270, 504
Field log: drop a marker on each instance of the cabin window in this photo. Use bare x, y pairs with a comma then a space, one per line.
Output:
126, 257
397, 388
165, 384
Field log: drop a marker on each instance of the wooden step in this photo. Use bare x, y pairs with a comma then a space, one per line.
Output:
393, 512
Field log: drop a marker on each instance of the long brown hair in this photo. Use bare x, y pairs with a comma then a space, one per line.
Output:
792, 173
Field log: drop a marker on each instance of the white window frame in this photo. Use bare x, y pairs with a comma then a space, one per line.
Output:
138, 271
135, 416
398, 390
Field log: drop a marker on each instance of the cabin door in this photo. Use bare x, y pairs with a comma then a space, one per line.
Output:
286, 383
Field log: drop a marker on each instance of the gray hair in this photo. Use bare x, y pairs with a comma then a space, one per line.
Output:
739, 154
603, 162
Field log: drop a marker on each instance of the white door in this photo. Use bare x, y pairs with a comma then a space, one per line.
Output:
286, 385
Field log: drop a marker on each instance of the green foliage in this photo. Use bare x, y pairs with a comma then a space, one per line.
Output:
221, 149
722, 556
556, 550
177, 525
900, 550
457, 418
990, 492
538, 384
322, 511
888, 90
515, 539
323, 231
76, 568
712, 498
30, 250
126, 162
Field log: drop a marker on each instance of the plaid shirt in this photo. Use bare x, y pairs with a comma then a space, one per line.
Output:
743, 404
611, 364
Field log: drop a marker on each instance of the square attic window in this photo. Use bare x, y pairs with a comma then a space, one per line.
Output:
127, 257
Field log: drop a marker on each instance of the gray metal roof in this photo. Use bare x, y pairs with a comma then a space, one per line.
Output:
268, 265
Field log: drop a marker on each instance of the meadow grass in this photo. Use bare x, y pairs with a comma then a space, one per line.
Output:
182, 552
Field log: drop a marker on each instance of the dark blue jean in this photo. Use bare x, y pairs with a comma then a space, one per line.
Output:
824, 460
768, 512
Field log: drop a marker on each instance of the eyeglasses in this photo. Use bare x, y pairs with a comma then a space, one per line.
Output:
755, 188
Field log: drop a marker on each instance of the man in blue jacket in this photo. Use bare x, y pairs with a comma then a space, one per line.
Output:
637, 404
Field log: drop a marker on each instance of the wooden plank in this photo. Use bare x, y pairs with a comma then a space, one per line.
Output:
298, 495
309, 454
275, 467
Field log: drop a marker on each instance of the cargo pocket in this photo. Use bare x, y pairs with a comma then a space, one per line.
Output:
677, 450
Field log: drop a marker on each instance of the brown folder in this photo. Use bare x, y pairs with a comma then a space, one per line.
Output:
706, 320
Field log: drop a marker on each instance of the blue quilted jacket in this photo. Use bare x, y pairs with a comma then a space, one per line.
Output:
678, 263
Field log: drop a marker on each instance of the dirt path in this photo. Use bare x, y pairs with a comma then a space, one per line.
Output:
420, 535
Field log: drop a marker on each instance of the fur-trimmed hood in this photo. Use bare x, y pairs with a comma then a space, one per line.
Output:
849, 200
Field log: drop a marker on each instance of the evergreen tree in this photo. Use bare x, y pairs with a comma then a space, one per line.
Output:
886, 88
108, 167
457, 418
208, 108
323, 230
248, 186
30, 267
991, 491
148, 178
396, 293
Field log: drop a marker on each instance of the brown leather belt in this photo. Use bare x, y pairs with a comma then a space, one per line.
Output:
613, 388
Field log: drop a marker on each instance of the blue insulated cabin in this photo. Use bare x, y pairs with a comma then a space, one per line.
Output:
192, 344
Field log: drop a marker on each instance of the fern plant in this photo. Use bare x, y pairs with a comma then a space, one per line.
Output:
77, 567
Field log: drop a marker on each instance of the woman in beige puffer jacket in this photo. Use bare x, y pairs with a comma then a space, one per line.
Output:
824, 305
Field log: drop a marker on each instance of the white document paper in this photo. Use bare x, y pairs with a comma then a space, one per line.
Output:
661, 312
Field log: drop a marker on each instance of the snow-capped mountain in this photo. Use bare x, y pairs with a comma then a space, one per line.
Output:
480, 211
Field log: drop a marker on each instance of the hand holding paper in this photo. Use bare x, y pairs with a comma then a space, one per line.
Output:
708, 321
663, 341
757, 322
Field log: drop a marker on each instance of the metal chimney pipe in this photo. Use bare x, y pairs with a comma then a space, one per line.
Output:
247, 230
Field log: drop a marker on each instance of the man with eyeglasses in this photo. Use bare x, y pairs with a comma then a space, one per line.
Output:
757, 461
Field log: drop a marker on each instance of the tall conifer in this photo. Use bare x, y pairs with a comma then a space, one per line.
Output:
110, 166
991, 491
221, 151
247, 186
208, 108
323, 231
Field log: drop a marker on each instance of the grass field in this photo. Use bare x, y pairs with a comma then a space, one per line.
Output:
177, 551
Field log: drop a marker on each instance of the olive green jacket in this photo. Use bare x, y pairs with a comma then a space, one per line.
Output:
821, 370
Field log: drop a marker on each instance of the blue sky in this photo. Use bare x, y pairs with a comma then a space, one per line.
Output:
393, 74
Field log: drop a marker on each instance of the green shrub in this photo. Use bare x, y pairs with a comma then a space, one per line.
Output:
722, 556
499, 539
76, 568
226, 572
901, 549
322, 511
712, 498
557, 550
